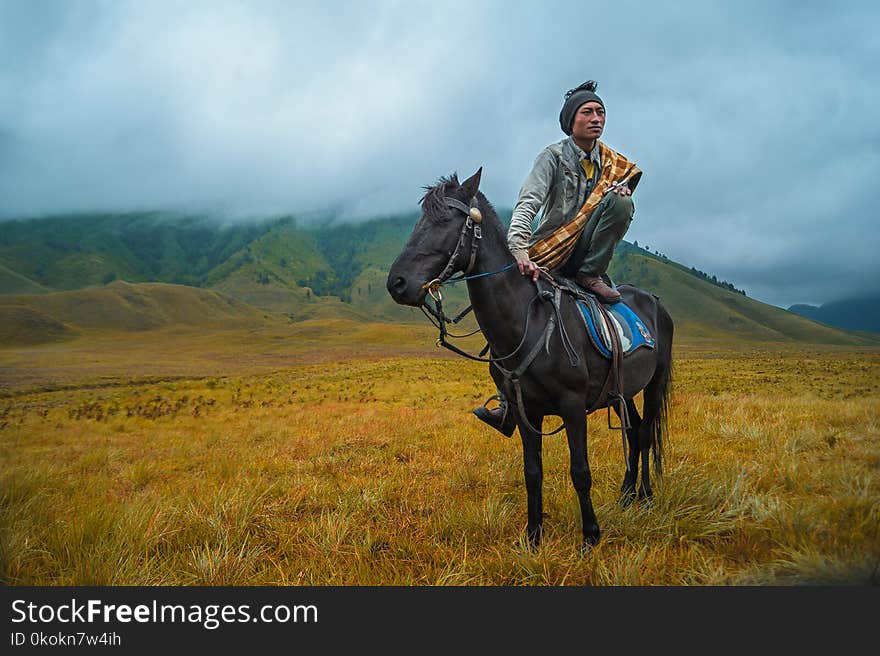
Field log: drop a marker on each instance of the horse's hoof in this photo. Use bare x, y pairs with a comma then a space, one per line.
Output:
591, 537
627, 497
646, 494
533, 537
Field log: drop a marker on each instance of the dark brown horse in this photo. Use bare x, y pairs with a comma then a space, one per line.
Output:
541, 371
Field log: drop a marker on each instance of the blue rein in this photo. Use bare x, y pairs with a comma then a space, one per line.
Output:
479, 275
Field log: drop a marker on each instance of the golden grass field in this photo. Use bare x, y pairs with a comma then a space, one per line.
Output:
336, 453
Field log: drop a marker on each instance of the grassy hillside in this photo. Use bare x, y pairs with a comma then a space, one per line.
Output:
15, 283
120, 306
72, 252
274, 272
353, 249
704, 310
22, 325
332, 270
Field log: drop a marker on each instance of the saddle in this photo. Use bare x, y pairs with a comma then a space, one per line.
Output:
632, 332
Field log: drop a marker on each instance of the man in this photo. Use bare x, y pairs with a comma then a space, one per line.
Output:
584, 192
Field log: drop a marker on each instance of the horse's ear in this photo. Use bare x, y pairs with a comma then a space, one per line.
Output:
472, 184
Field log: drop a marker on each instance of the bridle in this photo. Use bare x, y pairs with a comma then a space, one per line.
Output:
471, 225
473, 219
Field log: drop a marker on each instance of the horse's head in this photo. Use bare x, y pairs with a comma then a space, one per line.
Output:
439, 244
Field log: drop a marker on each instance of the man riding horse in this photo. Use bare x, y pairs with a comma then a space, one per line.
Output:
584, 192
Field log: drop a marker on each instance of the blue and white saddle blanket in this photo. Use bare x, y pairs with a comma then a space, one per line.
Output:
631, 330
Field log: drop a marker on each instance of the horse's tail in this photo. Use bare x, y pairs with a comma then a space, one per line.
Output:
664, 389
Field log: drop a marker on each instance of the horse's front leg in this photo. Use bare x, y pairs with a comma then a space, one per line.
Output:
534, 475
576, 429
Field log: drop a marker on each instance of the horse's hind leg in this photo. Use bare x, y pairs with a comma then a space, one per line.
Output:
576, 430
653, 407
628, 489
534, 475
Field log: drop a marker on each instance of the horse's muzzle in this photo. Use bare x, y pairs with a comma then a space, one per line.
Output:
403, 291
396, 286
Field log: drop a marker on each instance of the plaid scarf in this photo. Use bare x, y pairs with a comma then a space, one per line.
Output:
553, 250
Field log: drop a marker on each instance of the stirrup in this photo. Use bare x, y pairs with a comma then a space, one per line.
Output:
505, 426
502, 403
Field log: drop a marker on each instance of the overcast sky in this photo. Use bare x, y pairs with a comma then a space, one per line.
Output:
755, 123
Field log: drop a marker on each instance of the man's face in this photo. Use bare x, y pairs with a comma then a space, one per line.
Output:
589, 121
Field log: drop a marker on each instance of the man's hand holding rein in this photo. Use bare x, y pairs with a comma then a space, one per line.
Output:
526, 266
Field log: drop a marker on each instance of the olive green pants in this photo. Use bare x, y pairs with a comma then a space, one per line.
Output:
603, 232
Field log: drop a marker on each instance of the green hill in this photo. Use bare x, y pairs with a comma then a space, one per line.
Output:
274, 271
75, 251
704, 310
328, 270
15, 283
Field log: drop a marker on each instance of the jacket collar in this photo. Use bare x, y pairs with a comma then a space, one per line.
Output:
577, 154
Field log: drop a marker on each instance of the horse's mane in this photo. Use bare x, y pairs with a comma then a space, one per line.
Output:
433, 203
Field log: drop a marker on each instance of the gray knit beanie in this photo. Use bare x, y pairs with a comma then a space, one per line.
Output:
574, 98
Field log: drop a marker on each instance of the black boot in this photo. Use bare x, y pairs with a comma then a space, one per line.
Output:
500, 418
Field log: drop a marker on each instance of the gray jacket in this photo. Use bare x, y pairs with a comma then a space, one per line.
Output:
557, 186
